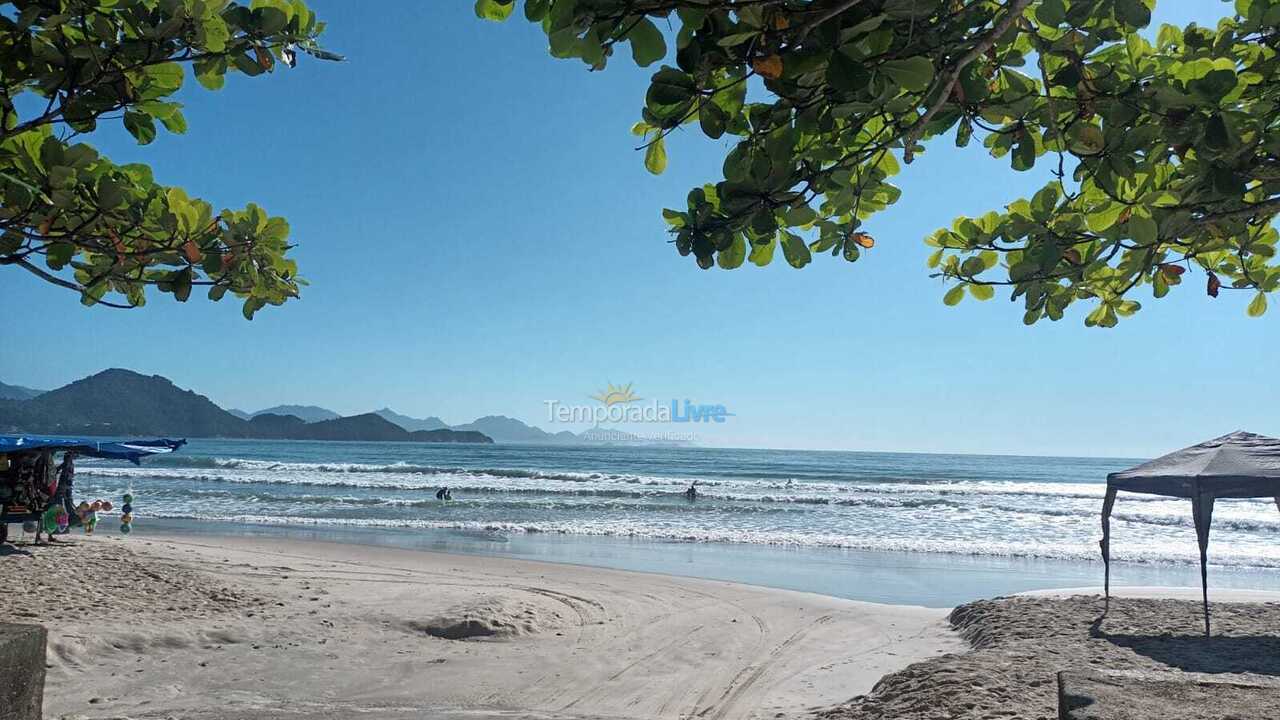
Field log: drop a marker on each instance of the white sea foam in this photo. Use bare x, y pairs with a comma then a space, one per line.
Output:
819, 505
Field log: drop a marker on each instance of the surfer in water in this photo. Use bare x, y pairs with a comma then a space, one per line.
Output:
692, 492
444, 494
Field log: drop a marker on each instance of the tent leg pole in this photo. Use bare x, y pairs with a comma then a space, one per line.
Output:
1107, 503
1202, 514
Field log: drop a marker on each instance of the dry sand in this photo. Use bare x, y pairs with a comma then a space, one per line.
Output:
269, 628
1021, 643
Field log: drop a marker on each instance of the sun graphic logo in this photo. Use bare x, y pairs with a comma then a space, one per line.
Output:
616, 395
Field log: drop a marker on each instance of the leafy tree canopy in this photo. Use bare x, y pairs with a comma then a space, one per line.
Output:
1165, 155
107, 231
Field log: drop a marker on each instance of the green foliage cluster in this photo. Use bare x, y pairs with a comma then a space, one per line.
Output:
104, 230
1165, 155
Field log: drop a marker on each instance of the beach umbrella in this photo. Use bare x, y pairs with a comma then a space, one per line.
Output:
1239, 465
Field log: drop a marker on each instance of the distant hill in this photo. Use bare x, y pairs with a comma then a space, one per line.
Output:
270, 426
357, 427
17, 392
446, 435
507, 430
122, 402
308, 413
411, 423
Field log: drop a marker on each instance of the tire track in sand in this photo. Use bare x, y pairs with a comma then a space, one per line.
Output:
753, 672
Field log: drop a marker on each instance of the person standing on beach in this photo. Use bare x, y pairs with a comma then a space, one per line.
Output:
66, 484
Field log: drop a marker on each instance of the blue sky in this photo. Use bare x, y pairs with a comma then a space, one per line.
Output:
481, 237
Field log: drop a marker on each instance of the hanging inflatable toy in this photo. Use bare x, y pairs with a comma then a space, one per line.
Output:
62, 519
126, 519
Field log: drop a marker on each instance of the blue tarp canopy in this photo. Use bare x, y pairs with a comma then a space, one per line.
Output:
130, 450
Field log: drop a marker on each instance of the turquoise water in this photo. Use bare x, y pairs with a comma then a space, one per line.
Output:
781, 518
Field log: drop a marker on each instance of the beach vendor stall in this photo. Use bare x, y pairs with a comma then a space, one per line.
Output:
28, 474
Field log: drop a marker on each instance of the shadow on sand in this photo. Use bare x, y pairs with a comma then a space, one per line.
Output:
1258, 654
26, 547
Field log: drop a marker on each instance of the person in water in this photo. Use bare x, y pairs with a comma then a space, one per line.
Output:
442, 493
692, 492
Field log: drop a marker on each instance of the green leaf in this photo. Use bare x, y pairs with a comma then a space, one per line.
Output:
162, 79
1259, 305
175, 122
59, 254
1024, 154
713, 119
954, 295
762, 252
536, 10
1103, 219
845, 73
181, 281
795, 251
647, 44
732, 257
655, 157
1215, 85
913, 73
982, 292
1159, 284
1051, 12
111, 192
211, 73
140, 126
1085, 139
1133, 12
495, 10
1143, 229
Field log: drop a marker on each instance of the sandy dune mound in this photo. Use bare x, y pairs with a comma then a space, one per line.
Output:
1020, 643
489, 618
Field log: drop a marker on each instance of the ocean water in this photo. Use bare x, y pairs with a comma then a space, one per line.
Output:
944, 505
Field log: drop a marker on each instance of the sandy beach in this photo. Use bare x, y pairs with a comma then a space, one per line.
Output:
223, 627
235, 627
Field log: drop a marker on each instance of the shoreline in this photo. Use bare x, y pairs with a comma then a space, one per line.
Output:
229, 627
936, 580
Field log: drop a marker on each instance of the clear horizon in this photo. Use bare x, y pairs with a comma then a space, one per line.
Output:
482, 238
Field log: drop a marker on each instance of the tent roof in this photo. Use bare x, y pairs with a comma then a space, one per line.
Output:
131, 450
1241, 464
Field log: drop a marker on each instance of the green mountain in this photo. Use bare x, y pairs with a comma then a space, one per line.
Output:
122, 402
17, 392
447, 435
368, 427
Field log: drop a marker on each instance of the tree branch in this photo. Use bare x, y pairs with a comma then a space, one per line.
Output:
953, 76
48, 277
826, 15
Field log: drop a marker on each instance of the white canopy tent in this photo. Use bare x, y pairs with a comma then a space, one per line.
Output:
1239, 465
